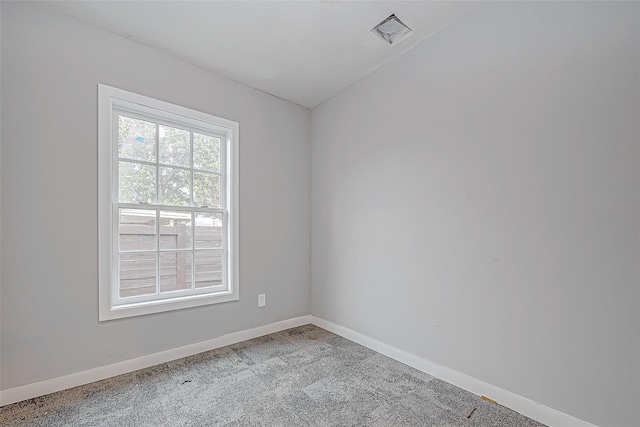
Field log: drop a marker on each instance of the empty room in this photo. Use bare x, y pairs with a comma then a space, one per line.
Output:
320, 213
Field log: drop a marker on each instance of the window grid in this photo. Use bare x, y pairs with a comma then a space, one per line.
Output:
157, 207
142, 164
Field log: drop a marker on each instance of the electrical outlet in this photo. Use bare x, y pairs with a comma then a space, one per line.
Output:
262, 300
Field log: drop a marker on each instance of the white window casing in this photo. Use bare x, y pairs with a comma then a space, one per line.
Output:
172, 244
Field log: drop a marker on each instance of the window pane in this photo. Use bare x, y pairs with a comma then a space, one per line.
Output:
175, 230
208, 230
206, 152
137, 275
137, 183
208, 268
206, 190
175, 271
136, 139
174, 146
137, 230
175, 187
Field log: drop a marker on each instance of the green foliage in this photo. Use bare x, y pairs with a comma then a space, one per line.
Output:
206, 190
206, 152
137, 182
174, 146
174, 187
136, 139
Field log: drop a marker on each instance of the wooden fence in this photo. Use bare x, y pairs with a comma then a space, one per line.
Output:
137, 270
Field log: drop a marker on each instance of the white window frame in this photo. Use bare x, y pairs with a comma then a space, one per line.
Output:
110, 101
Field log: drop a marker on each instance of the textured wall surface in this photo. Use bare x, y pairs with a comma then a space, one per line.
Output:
51, 66
476, 202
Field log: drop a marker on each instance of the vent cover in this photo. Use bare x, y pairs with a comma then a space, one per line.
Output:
392, 30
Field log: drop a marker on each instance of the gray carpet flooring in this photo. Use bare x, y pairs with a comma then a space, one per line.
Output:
304, 376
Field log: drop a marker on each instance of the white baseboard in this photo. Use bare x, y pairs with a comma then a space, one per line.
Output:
522, 405
40, 388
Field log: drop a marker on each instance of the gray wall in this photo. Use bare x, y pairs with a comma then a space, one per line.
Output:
476, 202
51, 66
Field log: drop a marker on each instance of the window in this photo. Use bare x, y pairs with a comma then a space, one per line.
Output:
168, 206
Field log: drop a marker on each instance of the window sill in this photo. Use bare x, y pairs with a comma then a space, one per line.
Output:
159, 306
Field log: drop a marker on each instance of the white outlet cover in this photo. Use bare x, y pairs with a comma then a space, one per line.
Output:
262, 300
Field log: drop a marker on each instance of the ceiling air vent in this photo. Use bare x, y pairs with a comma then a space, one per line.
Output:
392, 30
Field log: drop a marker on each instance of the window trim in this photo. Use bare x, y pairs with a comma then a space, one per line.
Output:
110, 99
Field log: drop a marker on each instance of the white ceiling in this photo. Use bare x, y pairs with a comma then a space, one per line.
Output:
302, 51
